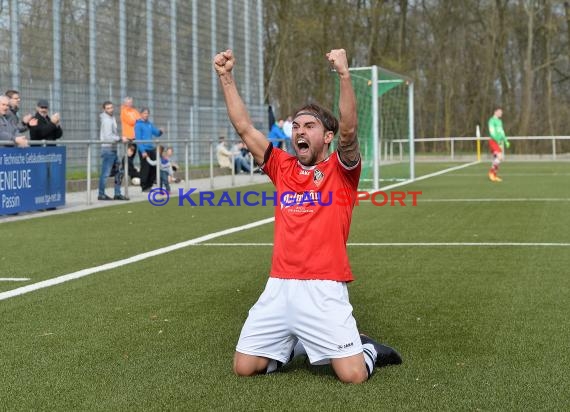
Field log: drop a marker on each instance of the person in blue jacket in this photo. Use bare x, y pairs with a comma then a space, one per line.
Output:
145, 130
276, 135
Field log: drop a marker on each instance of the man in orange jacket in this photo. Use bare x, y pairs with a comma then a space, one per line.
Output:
129, 116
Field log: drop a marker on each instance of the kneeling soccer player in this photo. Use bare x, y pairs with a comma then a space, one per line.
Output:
305, 307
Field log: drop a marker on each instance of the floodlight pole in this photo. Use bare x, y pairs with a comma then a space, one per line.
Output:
375, 163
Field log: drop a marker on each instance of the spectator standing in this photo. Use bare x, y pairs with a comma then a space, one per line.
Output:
12, 115
8, 130
109, 157
47, 127
129, 117
276, 134
145, 130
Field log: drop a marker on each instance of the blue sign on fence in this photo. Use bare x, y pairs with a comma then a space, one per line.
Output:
32, 178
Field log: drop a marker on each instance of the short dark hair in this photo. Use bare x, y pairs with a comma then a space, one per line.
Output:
330, 123
106, 103
11, 93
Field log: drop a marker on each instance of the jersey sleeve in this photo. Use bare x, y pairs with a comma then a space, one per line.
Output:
351, 173
271, 163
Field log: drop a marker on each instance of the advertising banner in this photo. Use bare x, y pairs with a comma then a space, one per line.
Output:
31, 178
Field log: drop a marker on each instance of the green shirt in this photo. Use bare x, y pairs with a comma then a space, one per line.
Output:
496, 130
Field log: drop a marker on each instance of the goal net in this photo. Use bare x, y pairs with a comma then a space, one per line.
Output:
385, 125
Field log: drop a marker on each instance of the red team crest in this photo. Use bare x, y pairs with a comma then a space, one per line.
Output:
318, 177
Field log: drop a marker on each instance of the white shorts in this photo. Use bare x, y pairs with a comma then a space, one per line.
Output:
315, 312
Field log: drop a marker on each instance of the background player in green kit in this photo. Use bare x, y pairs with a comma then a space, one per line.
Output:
496, 141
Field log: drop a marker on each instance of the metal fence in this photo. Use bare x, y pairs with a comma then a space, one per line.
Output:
206, 150
78, 54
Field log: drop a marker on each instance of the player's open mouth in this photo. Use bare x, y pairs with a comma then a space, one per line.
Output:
302, 145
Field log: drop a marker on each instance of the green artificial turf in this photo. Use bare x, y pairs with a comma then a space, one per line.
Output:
480, 327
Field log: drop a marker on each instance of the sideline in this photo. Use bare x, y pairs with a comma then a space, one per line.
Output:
137, 258
112, 265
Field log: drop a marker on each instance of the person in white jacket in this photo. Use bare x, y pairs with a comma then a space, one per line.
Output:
109, 157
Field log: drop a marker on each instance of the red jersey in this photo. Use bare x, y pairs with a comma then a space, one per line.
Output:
311, 225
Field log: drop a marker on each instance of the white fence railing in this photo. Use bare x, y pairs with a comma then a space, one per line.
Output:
88, 161
542, 147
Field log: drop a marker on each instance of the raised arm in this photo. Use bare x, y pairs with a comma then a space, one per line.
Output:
348, 147
237, 112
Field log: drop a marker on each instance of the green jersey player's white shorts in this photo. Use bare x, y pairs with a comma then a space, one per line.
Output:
315, 312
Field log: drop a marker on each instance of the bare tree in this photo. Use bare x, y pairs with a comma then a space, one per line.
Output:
465, 57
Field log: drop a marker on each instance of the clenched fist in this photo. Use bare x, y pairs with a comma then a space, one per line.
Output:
337, 58
224, 62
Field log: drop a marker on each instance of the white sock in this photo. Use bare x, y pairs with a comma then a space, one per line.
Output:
370, 355
496, 161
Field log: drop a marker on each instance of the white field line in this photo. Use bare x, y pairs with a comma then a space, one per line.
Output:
242, 244
14, 279
127, 261
112, 265
427, 244
417, 179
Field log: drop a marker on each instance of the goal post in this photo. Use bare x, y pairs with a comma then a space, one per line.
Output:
385, 125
